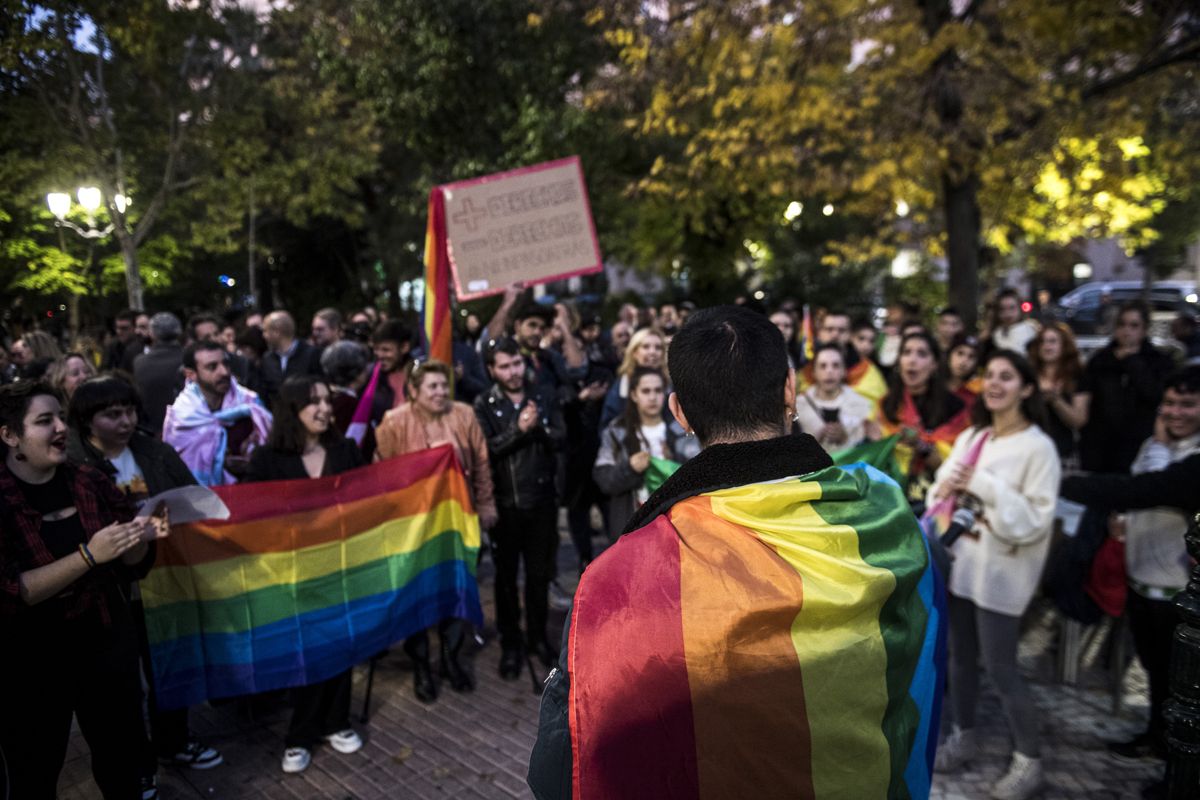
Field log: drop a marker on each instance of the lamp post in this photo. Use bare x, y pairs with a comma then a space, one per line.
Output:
90, 200
1182, 711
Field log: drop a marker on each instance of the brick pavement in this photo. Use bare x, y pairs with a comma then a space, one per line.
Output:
477, 745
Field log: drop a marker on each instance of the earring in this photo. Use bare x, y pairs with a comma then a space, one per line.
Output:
18, 455
689, 432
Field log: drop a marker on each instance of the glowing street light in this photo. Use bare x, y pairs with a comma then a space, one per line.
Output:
89, 198
59, 203
121, 202
827, 209
793, 210
901, 208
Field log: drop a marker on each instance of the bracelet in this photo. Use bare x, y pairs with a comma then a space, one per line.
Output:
88, 558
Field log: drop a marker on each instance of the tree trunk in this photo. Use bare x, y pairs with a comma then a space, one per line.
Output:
961, 205
133, 278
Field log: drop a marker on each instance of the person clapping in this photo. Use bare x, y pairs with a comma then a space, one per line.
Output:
69, 546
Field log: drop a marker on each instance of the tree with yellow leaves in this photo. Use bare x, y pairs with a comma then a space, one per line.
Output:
951, 124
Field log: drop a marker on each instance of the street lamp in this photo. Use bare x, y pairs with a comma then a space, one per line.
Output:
90, 199
59, 203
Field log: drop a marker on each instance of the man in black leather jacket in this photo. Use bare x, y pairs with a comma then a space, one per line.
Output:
524, 429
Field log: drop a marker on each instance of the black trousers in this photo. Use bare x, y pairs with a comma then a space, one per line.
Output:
83, 669
529, 535
168, 729
318, 710
1153, 624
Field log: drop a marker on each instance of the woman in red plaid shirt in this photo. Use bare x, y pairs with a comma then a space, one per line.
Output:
69, 547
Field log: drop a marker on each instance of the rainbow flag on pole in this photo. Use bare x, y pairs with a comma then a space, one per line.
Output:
789, 642
309, 577
436, 332
809, 334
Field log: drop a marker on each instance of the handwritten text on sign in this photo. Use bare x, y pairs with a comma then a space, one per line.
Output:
532, 225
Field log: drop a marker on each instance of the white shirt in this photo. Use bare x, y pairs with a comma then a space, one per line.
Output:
853, 410
654, 437
1016, 480
1155, 552
129, 477
1015, 337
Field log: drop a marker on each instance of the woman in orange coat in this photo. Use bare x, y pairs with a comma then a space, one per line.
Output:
430, 419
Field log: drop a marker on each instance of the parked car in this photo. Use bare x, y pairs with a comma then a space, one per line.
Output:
1085, 308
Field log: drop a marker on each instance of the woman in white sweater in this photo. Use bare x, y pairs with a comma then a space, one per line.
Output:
997, 565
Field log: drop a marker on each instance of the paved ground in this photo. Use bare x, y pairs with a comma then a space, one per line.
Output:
477, 745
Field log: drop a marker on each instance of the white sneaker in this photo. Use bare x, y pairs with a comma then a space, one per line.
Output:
1022, 781
347, 741
296, 759
957, 749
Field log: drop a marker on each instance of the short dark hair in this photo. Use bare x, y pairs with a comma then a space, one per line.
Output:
253, 338
1032, 407
949, 311
834, 346
189, 352
1185, 380
861, 324
505, 344
392, 330
127, 315
15, 399
1140, 307
287, 431
98, 394
199, 319
1007, 291
728, 347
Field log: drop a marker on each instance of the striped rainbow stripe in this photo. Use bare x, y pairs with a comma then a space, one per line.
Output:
307, 578
781, 639
435, 311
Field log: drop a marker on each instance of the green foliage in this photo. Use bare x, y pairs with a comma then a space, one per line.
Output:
1072, 117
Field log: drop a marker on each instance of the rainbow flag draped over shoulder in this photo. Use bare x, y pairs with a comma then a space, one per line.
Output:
942, 437
790, 643
309, 577
439, 343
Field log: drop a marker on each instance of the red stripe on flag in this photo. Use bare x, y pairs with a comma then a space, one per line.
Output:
439, 344
254, 501
632, 733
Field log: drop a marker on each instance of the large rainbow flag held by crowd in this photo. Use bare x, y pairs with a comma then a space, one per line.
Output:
789, 637
310, 577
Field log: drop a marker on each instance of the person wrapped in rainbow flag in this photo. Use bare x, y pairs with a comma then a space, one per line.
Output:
770, 625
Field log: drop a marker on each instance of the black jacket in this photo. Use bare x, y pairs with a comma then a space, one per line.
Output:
524, 464
159, 378
268, 464
1177, 486
1125, 396
304, 360
161, 466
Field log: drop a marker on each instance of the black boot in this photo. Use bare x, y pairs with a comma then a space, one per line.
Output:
424, 685
452, 632
511, 658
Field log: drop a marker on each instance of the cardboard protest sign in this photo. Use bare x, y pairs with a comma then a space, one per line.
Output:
532, 225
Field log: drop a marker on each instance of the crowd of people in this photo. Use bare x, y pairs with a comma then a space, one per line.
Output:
547, 408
